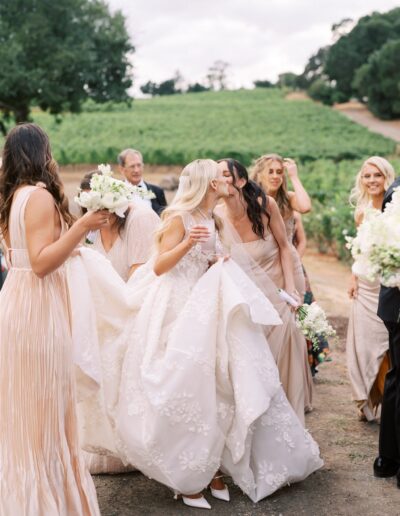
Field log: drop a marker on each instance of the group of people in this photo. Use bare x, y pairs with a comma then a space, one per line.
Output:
157, 344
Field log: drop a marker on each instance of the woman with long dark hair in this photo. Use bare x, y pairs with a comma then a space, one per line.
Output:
256, 237
42, 469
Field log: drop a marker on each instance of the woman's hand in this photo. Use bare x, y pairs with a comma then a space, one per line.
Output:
214, 259
291, 168
93, 220
198, 234
353, 288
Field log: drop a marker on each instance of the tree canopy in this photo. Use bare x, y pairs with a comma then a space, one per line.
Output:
57, 54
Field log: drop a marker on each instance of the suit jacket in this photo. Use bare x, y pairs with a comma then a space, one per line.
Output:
389, 298
159, 202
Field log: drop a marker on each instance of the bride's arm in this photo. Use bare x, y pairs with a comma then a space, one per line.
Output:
174, 246
278, 229
45, 254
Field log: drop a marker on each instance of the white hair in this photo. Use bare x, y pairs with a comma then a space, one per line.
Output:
125, 153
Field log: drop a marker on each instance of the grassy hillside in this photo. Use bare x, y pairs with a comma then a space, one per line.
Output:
242, 124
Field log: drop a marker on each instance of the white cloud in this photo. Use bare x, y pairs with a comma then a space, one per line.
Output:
259, 38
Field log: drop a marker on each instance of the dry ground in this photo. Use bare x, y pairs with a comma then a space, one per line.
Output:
344, 486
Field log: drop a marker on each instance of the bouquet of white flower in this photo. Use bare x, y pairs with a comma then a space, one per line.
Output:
312, 321
108, 193
376, 248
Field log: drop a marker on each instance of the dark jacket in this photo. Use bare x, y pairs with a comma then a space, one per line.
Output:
159, 203
389, 298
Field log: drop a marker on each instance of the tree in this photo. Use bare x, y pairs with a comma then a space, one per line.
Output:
314, 68
379, 81
168, 87
57, 54
217, 75
287, 80
352, 50
342, 28
197, 88
263, 84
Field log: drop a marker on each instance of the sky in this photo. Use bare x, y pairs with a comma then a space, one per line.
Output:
258, 38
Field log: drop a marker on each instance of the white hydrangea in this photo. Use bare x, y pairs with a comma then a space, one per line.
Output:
376, 248
108, 193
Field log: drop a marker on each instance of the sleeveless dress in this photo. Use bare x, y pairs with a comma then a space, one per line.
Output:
287, 344
299, 279
42, 472
367, 348
198, 388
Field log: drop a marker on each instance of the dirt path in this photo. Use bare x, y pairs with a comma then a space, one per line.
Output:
360, 114
345, 486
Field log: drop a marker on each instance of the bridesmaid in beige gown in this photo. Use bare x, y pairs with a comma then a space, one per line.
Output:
256, 237
42, 471
367, 338
268, 172
127, 242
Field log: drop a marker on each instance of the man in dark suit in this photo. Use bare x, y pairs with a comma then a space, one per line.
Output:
130, 163
387, 464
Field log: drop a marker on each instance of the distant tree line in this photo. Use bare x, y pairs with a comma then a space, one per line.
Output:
216, 79
362, 63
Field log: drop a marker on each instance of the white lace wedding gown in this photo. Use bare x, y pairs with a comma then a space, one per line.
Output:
191, 386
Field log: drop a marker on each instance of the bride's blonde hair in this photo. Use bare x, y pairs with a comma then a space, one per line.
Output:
194, 182
359, 197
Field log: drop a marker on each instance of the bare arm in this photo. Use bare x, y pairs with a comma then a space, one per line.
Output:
174, 246
353, 287
299, 199
45, 253
300, 234
278, 229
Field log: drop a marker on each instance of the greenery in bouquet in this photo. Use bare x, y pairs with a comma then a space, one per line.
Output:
313, 323
108, 193
376, 248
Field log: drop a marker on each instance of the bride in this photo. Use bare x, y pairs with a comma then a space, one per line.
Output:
199, 391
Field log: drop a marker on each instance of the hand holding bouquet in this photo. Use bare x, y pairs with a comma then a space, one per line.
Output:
313, 323
108, 193
376, 248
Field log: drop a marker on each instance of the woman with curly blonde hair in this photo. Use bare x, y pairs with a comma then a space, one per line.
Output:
367, 337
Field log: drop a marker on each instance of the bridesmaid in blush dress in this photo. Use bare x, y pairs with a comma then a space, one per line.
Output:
268, 172
42, 471
255, 235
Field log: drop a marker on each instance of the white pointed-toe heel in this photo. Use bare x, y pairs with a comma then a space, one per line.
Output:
221, 494
198, 503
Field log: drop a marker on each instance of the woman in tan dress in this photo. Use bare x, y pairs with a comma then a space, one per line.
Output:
269, 172
367, 338
42, 469
127, 242
256, 237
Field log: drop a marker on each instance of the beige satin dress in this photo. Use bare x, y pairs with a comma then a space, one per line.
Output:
287, 343
366, 349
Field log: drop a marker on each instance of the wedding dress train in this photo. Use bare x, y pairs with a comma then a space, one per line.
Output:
190, 384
